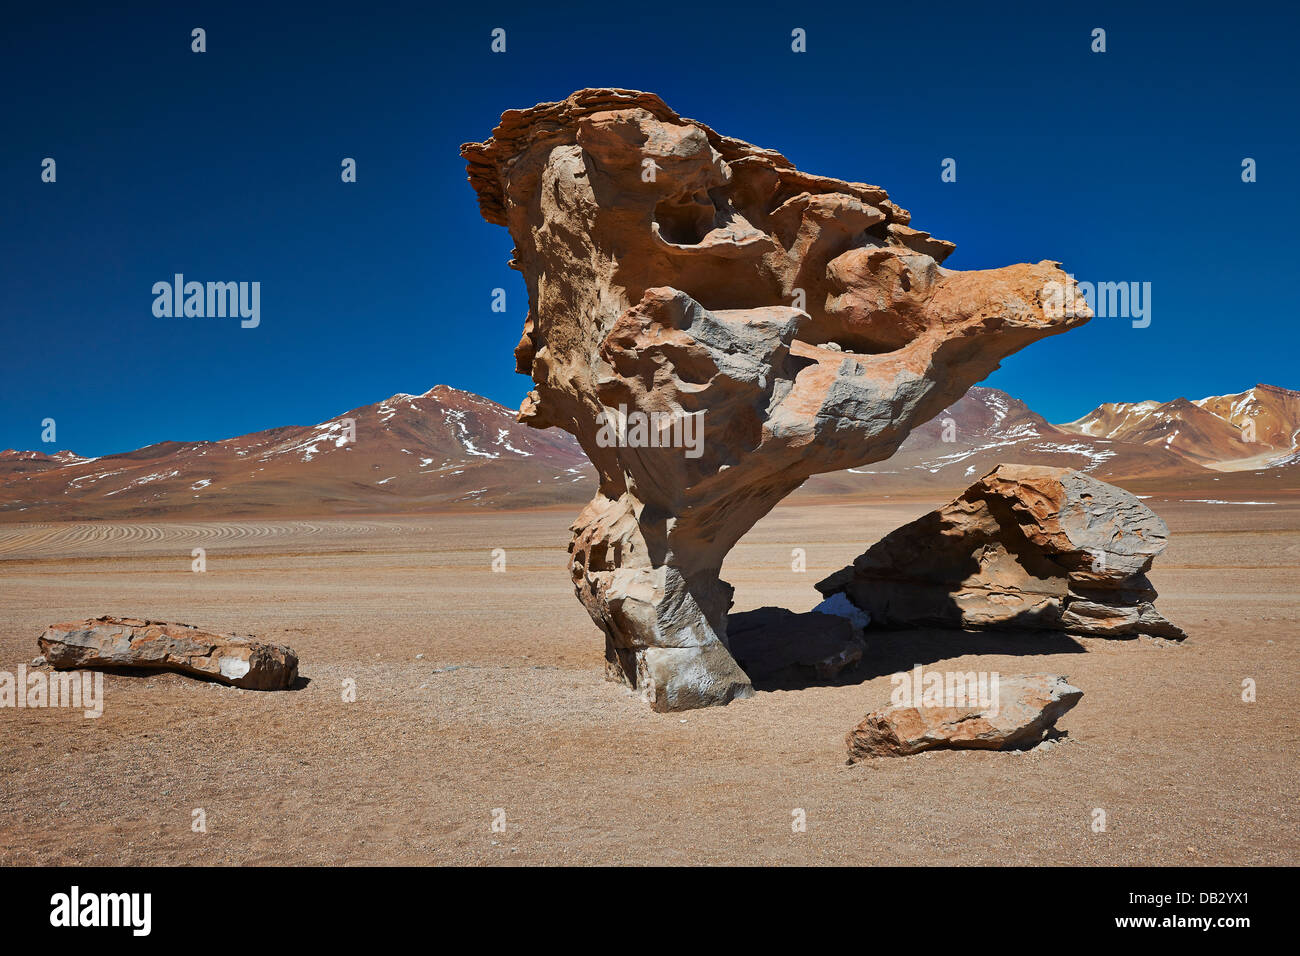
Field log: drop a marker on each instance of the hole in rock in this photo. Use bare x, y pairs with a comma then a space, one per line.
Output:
873, 333
685, 220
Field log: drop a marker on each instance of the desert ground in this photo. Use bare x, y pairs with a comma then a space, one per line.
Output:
481, 691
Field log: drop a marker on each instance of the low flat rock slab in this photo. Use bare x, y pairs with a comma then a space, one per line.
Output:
123, 642
1023, 711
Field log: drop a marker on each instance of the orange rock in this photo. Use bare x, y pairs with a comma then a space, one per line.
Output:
673, 271
1023, 713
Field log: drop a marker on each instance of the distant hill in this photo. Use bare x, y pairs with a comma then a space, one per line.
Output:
988, 427
451, 449
445, 448
1260, 426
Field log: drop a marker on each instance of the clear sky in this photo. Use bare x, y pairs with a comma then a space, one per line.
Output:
225, 166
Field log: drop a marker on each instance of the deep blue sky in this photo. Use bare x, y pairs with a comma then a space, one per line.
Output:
225, 166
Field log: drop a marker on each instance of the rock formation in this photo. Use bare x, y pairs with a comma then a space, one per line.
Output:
1024, 547
123, 642
715, 326
1022, 711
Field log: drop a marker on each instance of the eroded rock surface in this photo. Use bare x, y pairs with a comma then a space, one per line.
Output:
798, 321
122, 642
1022, 712
1024, 547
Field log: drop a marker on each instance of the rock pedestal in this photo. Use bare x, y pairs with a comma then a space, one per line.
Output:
715, 326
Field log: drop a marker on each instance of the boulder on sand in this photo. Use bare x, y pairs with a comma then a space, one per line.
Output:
1025, 547
1020, 713
124, 642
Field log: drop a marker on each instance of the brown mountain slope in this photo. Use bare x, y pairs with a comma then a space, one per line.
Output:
1274, 412
1215, 431
452, 449
445, 448
986, 428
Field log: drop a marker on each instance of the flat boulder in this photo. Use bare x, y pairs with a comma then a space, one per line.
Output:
1024, 548
124, 642
1021, 712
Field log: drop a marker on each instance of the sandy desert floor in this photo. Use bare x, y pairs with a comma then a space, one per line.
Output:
506, 709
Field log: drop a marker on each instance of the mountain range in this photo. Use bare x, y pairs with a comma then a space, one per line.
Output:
451, 449
445, 448
1256, 427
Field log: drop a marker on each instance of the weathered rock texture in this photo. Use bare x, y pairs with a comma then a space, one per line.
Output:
125, 642
676, 271
1025, 710
1024, 547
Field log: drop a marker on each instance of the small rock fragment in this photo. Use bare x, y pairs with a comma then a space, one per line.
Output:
1023, 712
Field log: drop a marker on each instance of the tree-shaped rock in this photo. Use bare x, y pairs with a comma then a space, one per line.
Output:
715, 326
